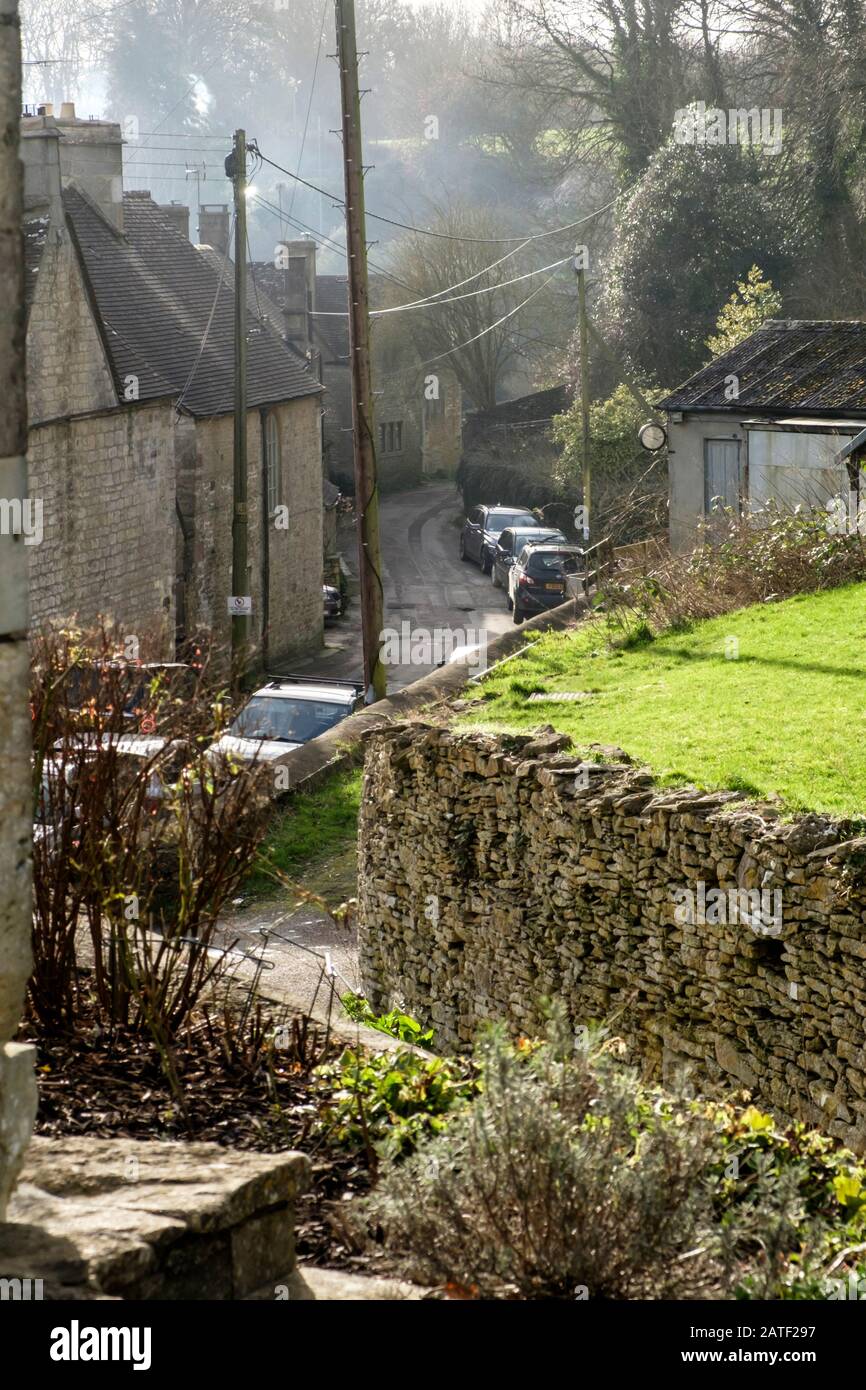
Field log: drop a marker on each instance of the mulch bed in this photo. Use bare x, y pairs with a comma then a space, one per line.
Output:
104, 1086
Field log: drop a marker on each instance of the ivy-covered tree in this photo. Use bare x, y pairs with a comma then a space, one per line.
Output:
697, 220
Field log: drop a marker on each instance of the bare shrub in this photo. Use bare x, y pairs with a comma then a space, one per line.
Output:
739, 561
138, 843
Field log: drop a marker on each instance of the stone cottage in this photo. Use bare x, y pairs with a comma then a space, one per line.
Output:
130, 390
418, 409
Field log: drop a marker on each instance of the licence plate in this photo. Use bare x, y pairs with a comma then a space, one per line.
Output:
557, 588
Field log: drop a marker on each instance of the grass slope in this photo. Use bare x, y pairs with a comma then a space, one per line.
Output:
784, 717
314, 840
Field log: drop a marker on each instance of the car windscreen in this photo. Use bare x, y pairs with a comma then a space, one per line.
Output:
553, 564
498, 521
287, 719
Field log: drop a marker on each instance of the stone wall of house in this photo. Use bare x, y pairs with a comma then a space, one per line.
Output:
67, 371
443, 435
497, 872
107, 487
294, 553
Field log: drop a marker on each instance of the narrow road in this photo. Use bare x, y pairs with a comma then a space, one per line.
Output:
426, 586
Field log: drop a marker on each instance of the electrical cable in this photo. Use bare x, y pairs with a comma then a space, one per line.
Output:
310, 102
443, 236
433, 303
418, 366
188, 382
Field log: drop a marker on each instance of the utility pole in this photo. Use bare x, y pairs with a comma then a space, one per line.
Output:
366, 490
586, 464
240, 603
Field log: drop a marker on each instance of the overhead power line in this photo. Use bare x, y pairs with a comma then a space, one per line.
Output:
436, 296
434, 301
442, 236
310, 101
418, 366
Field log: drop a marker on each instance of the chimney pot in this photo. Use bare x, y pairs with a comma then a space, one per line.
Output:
67, 111
45, 109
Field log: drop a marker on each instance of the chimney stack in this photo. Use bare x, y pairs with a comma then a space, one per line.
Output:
178, 215
299, 289
65, 149
213, 226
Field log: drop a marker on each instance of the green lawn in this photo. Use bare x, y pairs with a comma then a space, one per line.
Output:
314, 839
783, 716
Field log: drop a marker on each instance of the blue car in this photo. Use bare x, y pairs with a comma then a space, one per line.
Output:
483, 527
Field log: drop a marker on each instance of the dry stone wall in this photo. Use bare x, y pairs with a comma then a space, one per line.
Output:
497, 872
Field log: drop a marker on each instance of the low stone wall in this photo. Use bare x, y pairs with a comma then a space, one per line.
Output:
497, 872
133, 1219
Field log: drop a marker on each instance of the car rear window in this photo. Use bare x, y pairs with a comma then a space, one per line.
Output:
554, 563
499, 520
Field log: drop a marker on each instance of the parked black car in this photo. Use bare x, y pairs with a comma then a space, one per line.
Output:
483, 527
537, 578
509, 546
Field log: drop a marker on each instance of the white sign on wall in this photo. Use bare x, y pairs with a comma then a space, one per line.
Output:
240, 606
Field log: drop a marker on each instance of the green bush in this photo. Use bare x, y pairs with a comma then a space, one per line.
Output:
387, 1102
568, 1177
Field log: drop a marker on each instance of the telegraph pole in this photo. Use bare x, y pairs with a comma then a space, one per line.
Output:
366, 490
239, 600
583, 336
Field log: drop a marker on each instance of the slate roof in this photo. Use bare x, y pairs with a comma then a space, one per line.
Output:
811, 366
154, 293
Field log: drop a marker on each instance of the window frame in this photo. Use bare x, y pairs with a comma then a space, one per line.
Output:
722, 439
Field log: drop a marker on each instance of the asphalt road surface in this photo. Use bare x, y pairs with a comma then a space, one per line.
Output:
428, 589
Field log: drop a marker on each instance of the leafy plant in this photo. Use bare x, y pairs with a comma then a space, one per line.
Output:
387, 1102
752, 303
395, 1024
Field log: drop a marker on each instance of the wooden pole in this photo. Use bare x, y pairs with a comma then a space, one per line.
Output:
366, 489
239, 605
586, 463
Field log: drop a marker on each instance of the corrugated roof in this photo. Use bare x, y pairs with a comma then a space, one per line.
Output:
813, 366
155, 292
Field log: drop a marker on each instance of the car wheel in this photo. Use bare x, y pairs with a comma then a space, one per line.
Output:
486, 562
509, 601
463, 555
497, 582
517, 612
